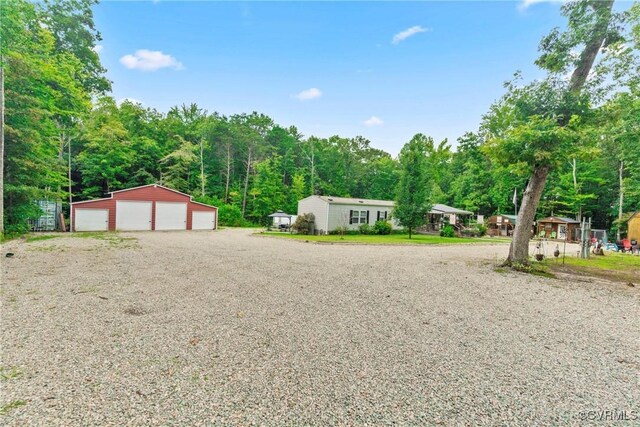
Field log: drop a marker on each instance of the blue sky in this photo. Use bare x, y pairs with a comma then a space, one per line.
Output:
383, 70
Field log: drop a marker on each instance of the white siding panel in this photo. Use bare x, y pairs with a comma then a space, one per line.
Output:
91, 220
133, 215
317, 207
339, 215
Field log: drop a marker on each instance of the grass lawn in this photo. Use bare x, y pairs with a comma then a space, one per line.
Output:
612, 265
391, 239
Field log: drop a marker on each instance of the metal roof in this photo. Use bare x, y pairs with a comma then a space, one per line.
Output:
280, 214
511, 218
439, 208
352, 201
559, 219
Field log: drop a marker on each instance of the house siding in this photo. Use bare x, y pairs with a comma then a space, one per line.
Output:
634, 227
144, 194
339, 215
317, 207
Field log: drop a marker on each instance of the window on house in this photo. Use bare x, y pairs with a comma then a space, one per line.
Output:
358, 217
382, 215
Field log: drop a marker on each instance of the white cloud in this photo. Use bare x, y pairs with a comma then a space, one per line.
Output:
403, 35
524, 4
373, 121
97, 48
150, 60
310, 93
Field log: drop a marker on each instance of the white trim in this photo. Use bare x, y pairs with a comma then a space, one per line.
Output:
202, 204
92, 200
149, 185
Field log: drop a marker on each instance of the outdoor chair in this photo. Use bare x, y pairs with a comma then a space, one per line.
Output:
542, 234
553, 234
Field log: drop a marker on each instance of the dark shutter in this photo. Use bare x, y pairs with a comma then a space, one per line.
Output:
378, 217
367, 217
350, 217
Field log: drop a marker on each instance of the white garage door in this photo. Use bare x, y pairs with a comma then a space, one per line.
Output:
203, 220
171, 216
133, 215
92, 220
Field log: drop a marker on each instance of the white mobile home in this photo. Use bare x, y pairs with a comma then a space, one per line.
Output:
333, 212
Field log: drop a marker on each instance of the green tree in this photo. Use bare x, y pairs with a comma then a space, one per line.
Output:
267, 191
106, 156
534, 117
412, 193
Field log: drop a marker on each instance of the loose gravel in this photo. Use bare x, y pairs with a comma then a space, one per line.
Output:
227, 328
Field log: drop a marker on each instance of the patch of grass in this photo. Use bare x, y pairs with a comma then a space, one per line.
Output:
536, 269
5, 409
390, 239
40, 237
9, 373
612, 265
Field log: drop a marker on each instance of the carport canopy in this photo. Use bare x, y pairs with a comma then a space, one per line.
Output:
281, 214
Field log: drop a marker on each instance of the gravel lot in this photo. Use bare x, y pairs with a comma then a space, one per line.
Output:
225, 328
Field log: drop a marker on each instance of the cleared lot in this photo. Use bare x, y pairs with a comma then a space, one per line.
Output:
208, 328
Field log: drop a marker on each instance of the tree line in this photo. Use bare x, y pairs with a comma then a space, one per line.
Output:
66, 137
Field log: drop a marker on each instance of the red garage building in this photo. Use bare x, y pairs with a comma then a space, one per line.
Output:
149, 207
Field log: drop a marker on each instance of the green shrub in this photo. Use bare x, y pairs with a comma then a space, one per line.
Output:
382, 227
305, 224
470, 232
230, 215
365, 229
482, 230
447, 231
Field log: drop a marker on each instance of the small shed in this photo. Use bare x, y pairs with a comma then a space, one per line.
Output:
633, 226
558, 227
438, 213
282, 219
501, 225
148, 207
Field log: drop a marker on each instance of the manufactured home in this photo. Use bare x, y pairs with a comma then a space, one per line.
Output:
149, 207
334, 212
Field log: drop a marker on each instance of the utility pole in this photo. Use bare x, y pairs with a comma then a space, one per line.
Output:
1, 145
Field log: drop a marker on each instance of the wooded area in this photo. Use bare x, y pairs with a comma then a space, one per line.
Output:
67, 139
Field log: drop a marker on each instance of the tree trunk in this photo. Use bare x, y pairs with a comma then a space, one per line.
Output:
409, 232
246, 183
575, 187
618, 236
69, 173
202, 180
226, 186
593, 45
519, 249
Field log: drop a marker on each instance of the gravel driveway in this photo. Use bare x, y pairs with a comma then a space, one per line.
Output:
226, 328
